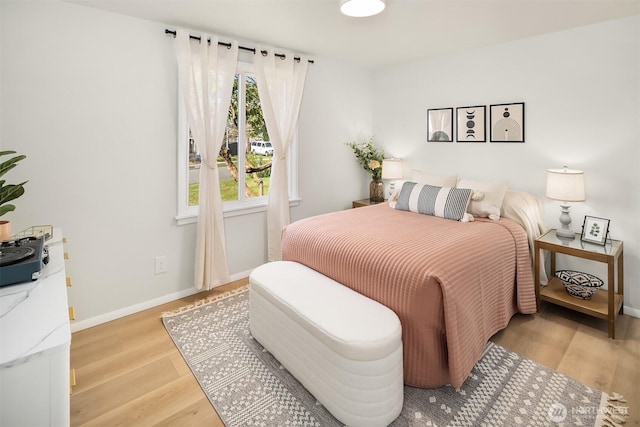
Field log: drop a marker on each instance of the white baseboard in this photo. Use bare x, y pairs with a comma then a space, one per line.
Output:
107, 317
634, 312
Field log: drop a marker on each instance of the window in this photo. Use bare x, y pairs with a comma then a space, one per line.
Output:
244, 161
246, 142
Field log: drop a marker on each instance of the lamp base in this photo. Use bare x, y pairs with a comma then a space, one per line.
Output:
392, 187
565, 232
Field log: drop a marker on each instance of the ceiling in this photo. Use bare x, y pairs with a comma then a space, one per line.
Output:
407, 30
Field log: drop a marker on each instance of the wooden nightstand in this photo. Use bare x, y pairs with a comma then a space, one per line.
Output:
363, 202
605, 304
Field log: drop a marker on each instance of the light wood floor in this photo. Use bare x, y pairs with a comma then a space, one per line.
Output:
129, 372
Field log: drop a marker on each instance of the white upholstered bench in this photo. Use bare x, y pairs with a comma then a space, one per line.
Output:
345, 348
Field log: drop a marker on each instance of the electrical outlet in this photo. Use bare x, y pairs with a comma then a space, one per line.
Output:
161, 264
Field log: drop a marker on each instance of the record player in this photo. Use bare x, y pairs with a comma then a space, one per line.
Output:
22, 259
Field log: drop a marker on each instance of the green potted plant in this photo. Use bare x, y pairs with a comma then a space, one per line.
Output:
370, 158
8, 192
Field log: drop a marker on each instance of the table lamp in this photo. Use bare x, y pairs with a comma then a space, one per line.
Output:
566, 185
392, 169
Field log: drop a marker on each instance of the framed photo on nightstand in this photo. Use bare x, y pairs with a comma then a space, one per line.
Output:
595, 230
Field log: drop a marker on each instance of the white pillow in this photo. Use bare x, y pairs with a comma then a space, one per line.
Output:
435, 180
486, 209
394, 196
489, 206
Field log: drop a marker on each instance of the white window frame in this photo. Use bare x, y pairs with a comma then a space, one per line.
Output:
243, 206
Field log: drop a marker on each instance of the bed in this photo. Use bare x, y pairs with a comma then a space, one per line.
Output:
452, 284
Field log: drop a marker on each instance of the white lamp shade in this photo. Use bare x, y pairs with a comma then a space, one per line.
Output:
361, 8
392, 169
566, 185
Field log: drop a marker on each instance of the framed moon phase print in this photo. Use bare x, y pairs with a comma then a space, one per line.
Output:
440, 125
507, 122
470, 124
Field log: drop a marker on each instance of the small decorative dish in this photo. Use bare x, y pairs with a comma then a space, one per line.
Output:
579, 284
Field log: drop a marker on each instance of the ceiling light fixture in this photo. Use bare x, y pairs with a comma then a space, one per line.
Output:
361, 8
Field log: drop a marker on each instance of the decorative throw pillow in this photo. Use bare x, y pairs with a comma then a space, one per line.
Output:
394, 197
485, 209
435, 180
489, 206
444, 202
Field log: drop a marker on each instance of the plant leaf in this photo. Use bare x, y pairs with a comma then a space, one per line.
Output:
6, 166
11, 192
6, 208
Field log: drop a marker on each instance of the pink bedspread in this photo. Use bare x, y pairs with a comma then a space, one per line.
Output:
452, 284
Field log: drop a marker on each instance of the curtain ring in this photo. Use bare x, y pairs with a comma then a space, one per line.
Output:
264, 52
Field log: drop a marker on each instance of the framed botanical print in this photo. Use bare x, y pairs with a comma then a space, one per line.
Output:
507, 122
595, 230
440, 125
470, 124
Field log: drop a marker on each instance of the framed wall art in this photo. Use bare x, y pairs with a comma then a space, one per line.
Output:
470, 124
507, 122
440, 125
595, 230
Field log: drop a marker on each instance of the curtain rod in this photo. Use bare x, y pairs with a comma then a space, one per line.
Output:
250, 49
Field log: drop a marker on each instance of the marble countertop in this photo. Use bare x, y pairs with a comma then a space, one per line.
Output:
34, 316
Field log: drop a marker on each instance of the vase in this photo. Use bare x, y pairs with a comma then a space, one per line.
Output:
5, 230
376, 190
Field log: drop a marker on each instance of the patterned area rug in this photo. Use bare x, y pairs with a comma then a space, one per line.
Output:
248, 387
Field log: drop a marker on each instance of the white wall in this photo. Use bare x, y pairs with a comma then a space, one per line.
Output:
91, 98
337, 108
582, 93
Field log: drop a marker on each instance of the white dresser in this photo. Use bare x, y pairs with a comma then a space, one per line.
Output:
35, 338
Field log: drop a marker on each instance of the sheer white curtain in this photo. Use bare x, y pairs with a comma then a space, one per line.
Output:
280, 85
206, 73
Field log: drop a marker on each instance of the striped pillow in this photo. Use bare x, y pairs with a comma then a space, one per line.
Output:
444, 202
